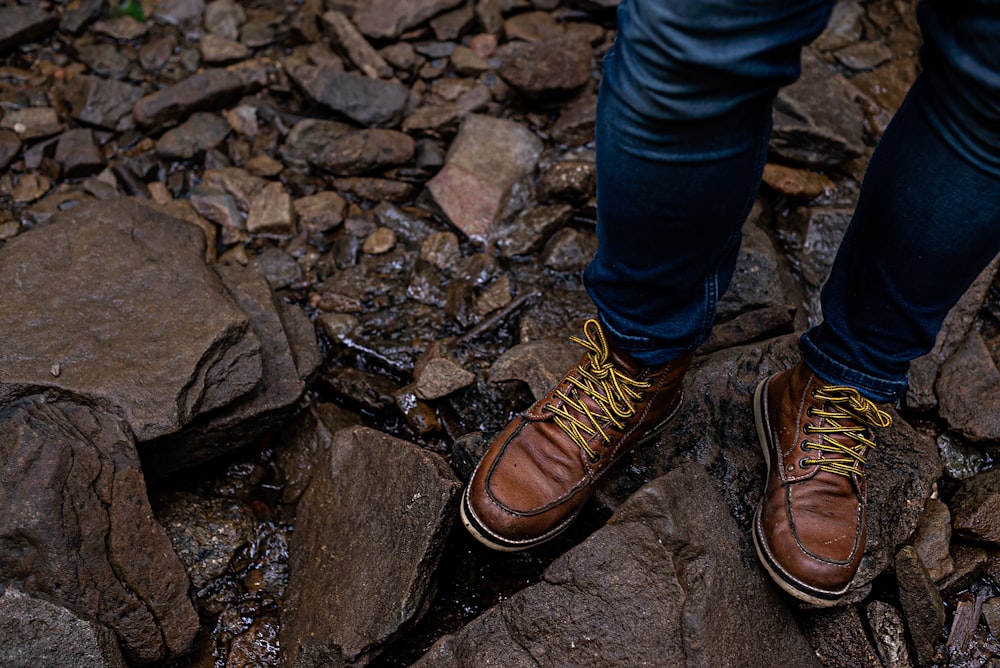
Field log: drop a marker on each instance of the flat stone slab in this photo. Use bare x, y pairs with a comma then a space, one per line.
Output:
112, 303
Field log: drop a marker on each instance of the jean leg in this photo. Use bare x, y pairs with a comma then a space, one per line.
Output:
682, 129
928, 218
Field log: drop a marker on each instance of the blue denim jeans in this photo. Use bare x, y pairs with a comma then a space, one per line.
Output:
683, 121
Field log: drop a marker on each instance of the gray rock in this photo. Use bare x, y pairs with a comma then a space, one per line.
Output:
305, 441
569, 250
200, 132
122, 28
124, 268
643, 590
755, 325
178, 11
715, 427
816, 120
921, 602
106, 103
369, 532
485, 160
575, 125
975, 508
546, 69
968, 390
278, 267
540, 364
208, 90
271, 211
321, 212
387, 19
78, 154
924, 370
932, 539
366, 101
106, 60
262, 410
35, 633
32, 122
440, 377
77, 527
530, 229
843, 28
75, 18
218, 50
863, 55
23, 25
346, 37
224, 18
757, 280
10, 146
362, 151
309, 138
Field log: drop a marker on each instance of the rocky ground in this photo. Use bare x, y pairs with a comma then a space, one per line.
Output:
271, 271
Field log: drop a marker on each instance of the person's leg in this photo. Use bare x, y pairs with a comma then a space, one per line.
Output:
928, 219
684, 114
683, 122
927, 222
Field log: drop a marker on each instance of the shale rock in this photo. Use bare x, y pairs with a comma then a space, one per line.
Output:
643, 590
369, 532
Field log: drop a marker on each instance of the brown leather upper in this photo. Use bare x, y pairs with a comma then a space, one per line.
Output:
534, 479
810, 527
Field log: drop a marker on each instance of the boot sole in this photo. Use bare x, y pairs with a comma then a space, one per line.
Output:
787, 583
501, 544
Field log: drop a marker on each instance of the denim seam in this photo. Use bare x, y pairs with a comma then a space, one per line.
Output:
879, 389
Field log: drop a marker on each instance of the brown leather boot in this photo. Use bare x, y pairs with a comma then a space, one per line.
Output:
541, 469
809, 529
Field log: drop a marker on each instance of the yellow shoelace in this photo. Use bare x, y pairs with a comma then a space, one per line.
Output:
614, 392
849, 414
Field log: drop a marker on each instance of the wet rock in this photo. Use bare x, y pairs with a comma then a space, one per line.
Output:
568, 181
346, 37
440, 377
23, 25
921, 602
281, 384
375, 189
883, 90
78, 529
123, 265
924, 370
843, 28
485, 160
838, 638
755, 325
369, 532
205, 533
714, 426
812, 243
933, 539
975, 507
271, 211
569, 250
305, 441
362, 151
106, 60
970, 565
529, 230
887, 628
78, 154
816, 121
388, 19
200, 132
532, 27
365, 390
106, 103
467, 63
32, 122
35, 632
968, 390
208, 90
643, 590
366, 101
540, 364
30, 187
991, 613
551, 68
